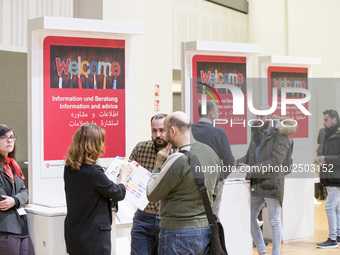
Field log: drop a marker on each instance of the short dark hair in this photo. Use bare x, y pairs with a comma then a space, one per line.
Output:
332, 113
158, 116
4, 129
174, 121
210, 107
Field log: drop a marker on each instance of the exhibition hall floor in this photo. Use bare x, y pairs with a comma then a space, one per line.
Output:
307, 247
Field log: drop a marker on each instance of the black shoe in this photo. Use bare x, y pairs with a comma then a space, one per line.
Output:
328, 244
338, 239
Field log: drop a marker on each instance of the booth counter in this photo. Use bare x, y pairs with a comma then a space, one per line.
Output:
46, 229
235, 216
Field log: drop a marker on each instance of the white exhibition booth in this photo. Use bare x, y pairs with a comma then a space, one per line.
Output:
58, 50
208, 67
298, 203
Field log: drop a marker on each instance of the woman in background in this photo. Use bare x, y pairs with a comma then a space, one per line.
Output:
14, 239
88, 193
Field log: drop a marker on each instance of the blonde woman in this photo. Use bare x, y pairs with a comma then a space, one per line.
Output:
88, 193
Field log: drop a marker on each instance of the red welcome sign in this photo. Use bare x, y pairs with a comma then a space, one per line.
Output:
214, 70
84, 82
290, 77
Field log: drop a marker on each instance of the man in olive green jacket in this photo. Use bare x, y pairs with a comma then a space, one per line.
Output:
184, 228
263, 162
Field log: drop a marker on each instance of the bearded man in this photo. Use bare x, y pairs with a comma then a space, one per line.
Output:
263, 162
330, 176
145, 228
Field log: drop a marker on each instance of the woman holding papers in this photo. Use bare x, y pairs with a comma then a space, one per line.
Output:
14, 238
88, 193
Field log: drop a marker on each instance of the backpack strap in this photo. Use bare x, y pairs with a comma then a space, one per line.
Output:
199, 179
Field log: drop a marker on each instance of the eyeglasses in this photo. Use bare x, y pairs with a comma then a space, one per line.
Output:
8, 138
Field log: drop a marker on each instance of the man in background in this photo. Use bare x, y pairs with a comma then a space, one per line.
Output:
330, 176
320, 190
205, 132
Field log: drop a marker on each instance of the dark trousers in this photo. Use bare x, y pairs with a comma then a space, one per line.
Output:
144, 233
16, 245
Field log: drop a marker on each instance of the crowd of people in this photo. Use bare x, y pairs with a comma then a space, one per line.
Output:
174, 221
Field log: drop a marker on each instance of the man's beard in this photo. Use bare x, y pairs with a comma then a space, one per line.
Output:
159, 143
329, 129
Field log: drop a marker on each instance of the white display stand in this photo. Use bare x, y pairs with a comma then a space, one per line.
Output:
235, 217
121, 233
46, 229
297, 211
235, 207
46, 186
227, 49
298, 203
121, 230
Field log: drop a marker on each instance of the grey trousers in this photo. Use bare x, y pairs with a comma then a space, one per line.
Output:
16, 245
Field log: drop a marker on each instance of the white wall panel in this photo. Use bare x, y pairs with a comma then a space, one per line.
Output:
192, 20
201, 20
15, 13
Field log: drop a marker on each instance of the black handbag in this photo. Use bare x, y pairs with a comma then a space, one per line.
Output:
217, 241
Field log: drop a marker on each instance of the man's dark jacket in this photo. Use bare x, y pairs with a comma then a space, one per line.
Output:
272, 153
330, 172
215, 138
